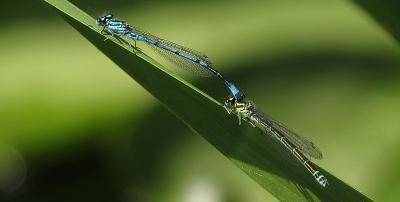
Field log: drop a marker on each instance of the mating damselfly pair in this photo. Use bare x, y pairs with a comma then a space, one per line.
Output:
198, 63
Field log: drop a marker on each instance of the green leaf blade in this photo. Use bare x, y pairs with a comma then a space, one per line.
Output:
243, 145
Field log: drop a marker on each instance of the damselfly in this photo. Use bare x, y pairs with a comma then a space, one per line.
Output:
285, 140
183, 57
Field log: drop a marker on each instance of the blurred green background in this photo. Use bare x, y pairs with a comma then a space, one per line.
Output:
75, 127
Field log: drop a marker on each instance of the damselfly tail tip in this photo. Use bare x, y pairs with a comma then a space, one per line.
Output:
323, 181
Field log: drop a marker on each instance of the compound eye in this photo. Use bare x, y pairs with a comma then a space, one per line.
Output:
230, 100
100, 21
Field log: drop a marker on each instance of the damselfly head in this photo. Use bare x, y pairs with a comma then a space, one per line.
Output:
104, 19
231, 100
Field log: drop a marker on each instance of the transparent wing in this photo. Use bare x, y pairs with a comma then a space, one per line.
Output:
179, 61
305, 146
285, 152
